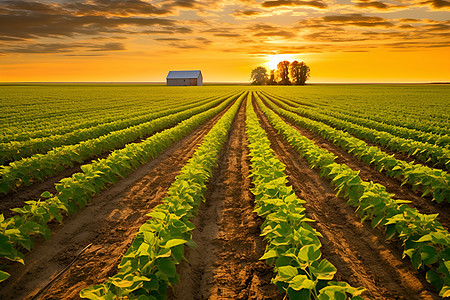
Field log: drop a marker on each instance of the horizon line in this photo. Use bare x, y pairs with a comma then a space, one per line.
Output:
210, 82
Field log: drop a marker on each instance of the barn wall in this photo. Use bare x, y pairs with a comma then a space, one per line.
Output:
178, 82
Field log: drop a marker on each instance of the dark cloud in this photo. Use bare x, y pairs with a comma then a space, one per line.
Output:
333, 37
437, 3
377, 5
116, 7
267, 30
409, 45
64, 47
357, 20
277, 3
204, 40
168, 39
232, 35
247, 13
29, 20
374, 4
108, 47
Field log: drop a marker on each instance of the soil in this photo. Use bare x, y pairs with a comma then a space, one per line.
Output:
18, 197
397, 155
360, 254
369, 173
109, 223
226, 264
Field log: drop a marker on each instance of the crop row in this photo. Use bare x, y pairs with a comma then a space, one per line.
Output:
407, 133
65, 109
429, 180
424, 152
405, 109
293, 246
15, 150
58, 110
31, 220
396, 118
425, 241
41, 166
149, 265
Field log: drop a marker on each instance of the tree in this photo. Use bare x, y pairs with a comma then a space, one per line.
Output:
259, 76
294, 69
272, 80
283, 72
299, 72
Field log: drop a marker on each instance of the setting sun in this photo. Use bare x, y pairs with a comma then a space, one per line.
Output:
276, 58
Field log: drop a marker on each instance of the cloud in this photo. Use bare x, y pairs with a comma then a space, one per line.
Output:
378, 5
247, 13
267, 30
357, 20
280, 33
64, 47
277, 3
438, 3
30, 20
115, 7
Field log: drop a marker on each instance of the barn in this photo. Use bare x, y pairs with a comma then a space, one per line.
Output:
175, 78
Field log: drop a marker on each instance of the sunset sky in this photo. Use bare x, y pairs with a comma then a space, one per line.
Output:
137, 40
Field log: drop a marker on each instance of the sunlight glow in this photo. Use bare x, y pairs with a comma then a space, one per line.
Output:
276, 58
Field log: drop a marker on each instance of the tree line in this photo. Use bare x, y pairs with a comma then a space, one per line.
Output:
287, 73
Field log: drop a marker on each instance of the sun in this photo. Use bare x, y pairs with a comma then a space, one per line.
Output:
274, 59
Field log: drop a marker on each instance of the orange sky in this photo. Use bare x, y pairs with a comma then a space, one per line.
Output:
136, 40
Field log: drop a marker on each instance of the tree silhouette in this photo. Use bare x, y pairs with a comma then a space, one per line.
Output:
259, 76
283, 72
299, 72
272, 80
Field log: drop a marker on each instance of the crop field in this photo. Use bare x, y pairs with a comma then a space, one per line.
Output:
224, 192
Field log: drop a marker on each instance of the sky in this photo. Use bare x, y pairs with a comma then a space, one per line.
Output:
342, 41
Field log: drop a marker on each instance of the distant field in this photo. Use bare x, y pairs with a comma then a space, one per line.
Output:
341, 189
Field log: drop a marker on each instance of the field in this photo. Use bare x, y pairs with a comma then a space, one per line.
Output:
224, 192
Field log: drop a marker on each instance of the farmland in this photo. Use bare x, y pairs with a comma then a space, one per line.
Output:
316, 192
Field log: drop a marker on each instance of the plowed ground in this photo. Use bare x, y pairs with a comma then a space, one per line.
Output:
226, 264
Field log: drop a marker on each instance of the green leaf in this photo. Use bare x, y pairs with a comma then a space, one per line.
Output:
46, 194
174, 242
157, 215
167, 267
302, 282
434, 278
445, 291
416, 260
325, 270
287, 272
428, 254
309, 253
3, 276
269, 254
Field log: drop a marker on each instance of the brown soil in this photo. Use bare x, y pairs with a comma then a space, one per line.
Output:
360, 254
109, 223
369, 173
17, 198
397, 155
226, 264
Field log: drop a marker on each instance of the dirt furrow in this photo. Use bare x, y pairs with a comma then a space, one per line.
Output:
369, 173
360, 254
226, 264
17, 198
109, 223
